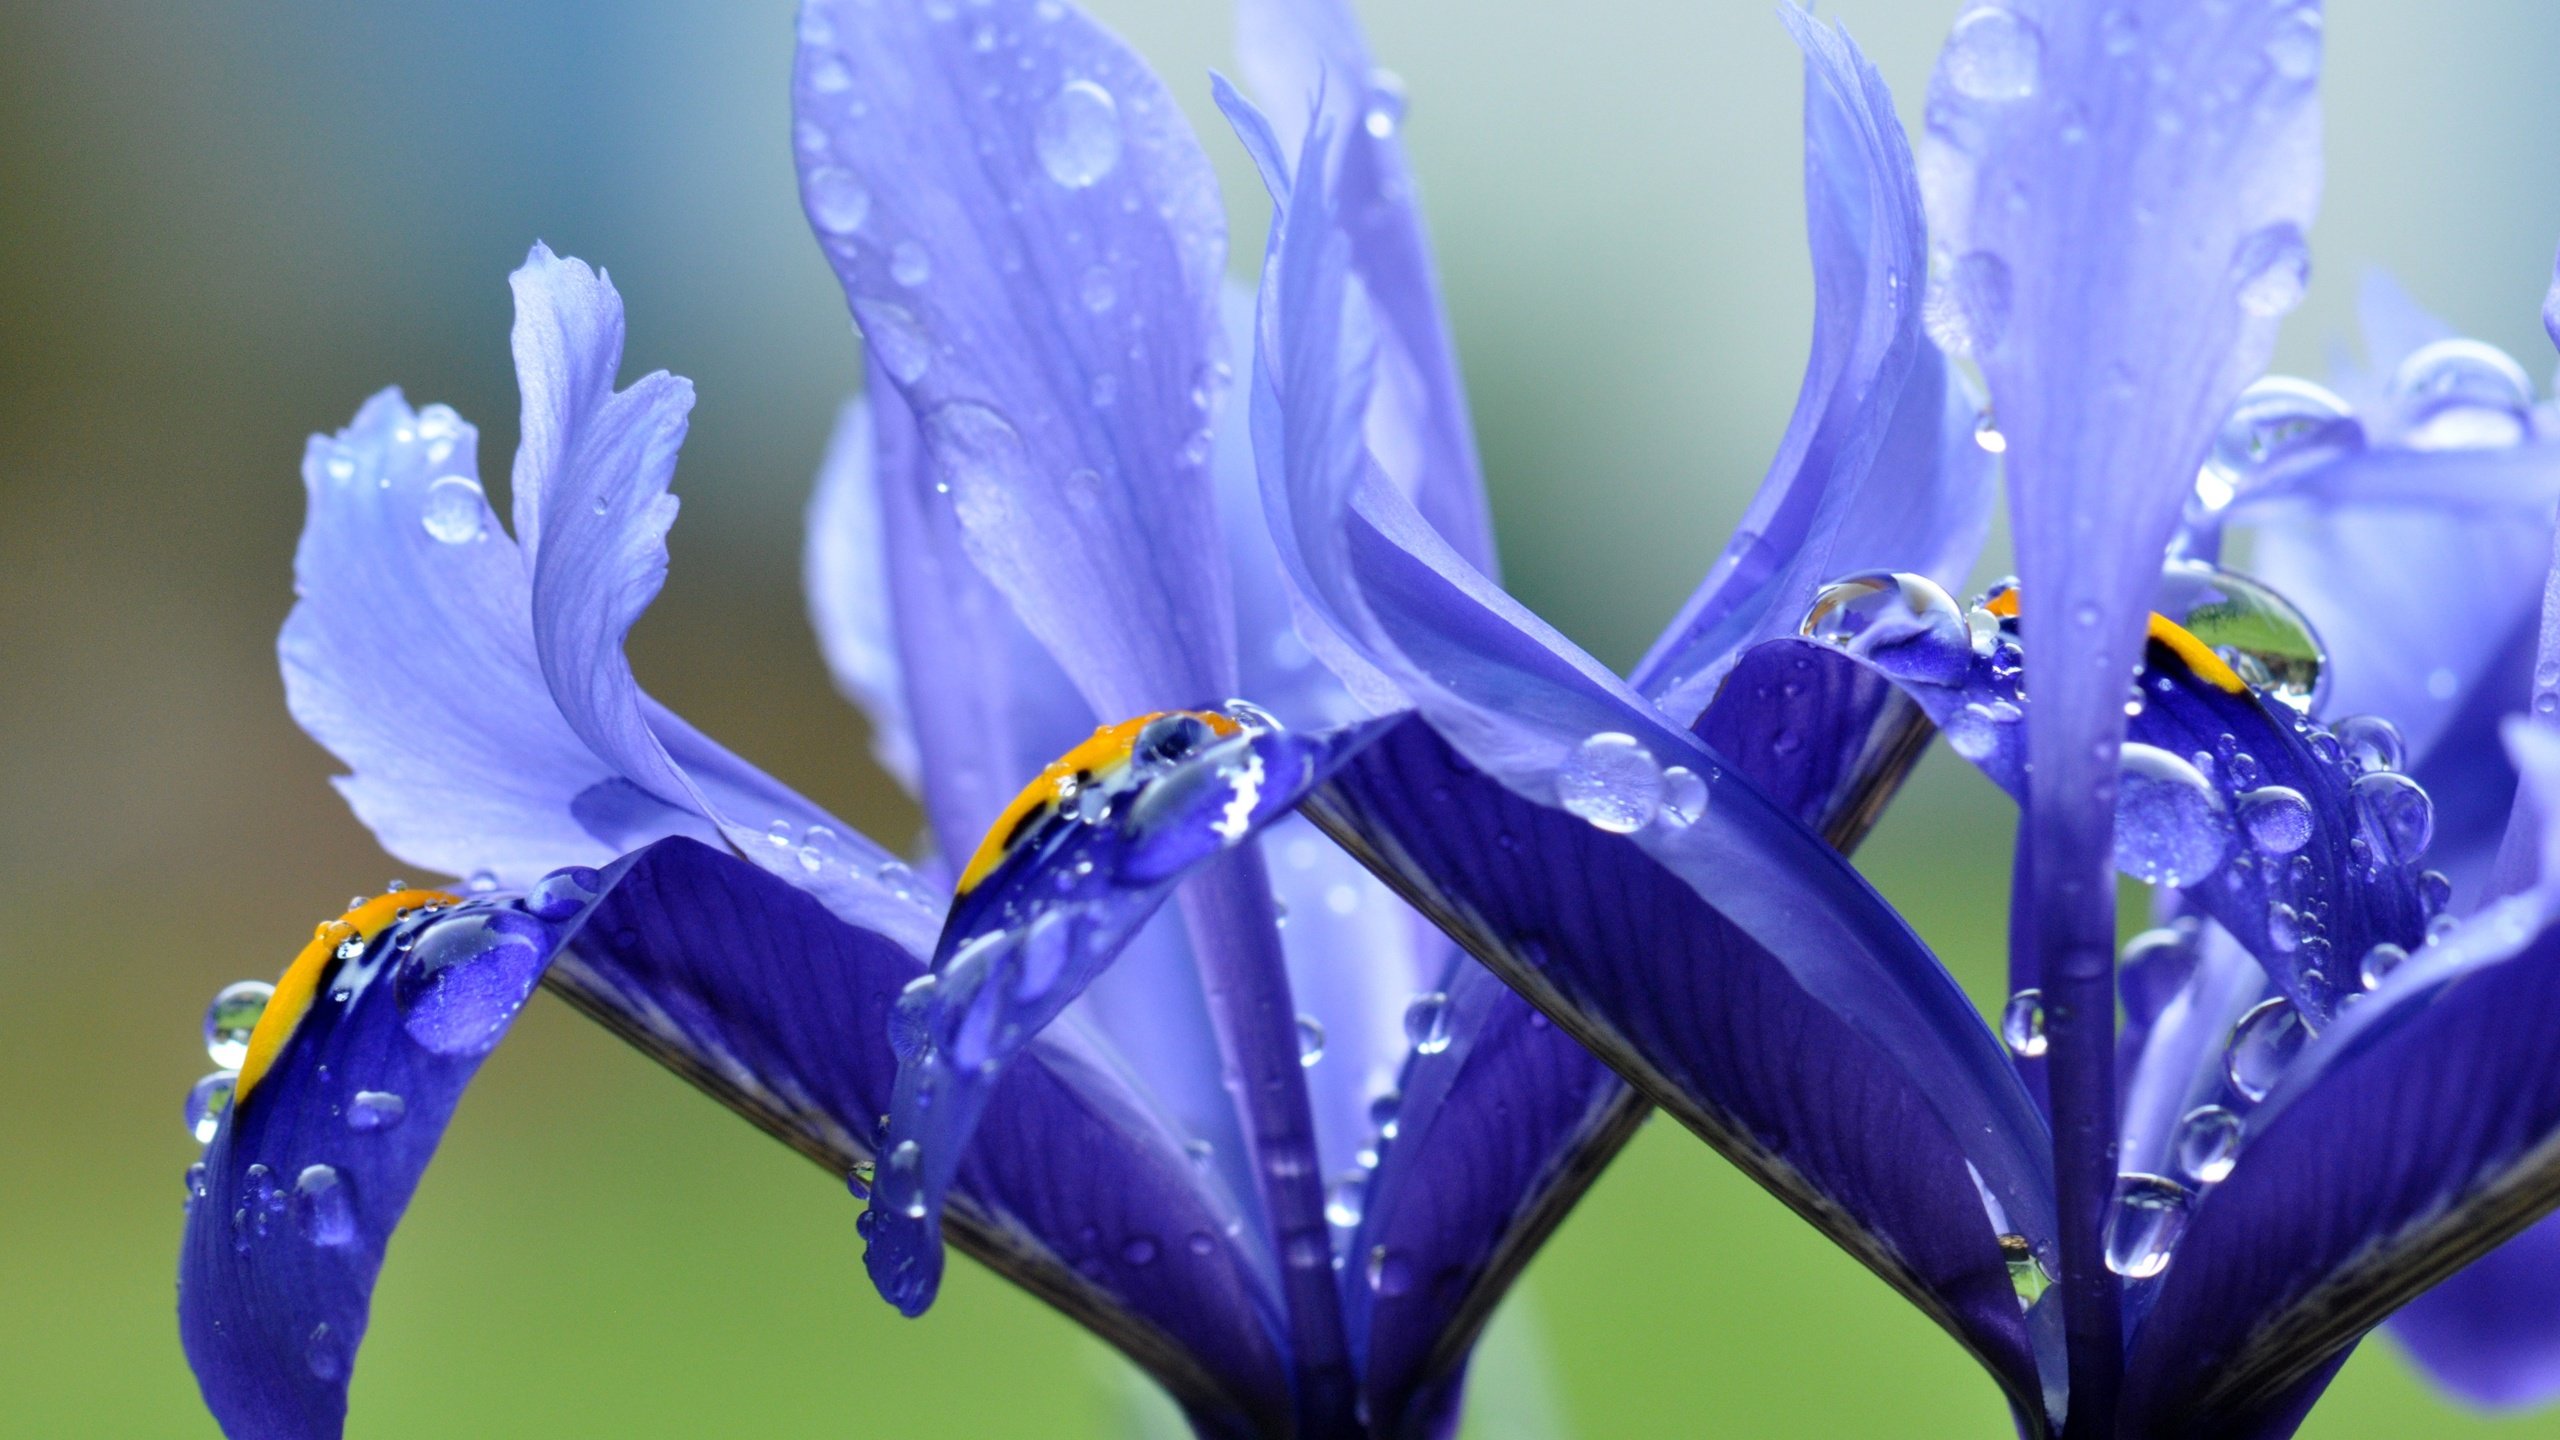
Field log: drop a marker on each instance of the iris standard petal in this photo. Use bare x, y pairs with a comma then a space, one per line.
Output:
1625, 953
1520, 701
750, 989
410, 655
592, 512
1878, 469
844, 569
2488, 1332
2117, 198
1306, 58
1031, 241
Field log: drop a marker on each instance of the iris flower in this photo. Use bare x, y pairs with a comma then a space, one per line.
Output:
1288, 1170
2332, 1087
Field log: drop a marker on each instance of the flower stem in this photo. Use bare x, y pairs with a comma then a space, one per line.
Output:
1235, 933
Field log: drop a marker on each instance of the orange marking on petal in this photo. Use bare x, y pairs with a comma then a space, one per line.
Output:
1107, 749
299, 986
2197, 656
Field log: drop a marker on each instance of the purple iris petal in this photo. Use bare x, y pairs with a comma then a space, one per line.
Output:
1878, 469
1518, 700
1031, 241
748, 987
1624, 952
2486, 1332
1307, 58
845, 569
2118, 196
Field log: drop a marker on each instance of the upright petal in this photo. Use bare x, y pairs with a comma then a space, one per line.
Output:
1307, 58
845, 565
1879, 469
593, 509
1031, 240
1519, 701
2118, 195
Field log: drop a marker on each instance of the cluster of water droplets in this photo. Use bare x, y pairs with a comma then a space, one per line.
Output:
1613, 781
819, 850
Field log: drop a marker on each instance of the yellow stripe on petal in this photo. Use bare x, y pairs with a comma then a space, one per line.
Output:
2168, 633
299, 986
1102, 755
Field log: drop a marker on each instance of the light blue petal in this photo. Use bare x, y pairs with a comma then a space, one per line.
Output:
1031, 241
845, 564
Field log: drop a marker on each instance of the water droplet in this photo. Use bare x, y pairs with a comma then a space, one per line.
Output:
326, 1358
2274, 266
453, 509
2370, 743
817, 849
1684, 796
1310, 1040
230, 1019
1098, 289
2207, 1142
2396, 816
1987, 436
2278, 425
207, 1102
1967, 308
2152, 967
2277, 818
2294, 50
468, 976
2027, 1275
2262, 1045
837, 201
2379, 962
1344, 1197
2143, 1225
1426, 1022
2463, 395
1903, 624
323, 1209
1139, 1250
2171, 827
374, 1110
1993, 54
2119, 32
899, 343
2022, 1024
2435, 892
1077, 134
562, 893
1390, 1273
2255, 631
1612, 781
909, 265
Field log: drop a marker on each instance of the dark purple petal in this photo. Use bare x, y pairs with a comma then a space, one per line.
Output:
1496, 1136
1032, 244
1307, 59
2490, 1332
750, 989
2414, 1153
1077, 877
1878, 469
1394, 607
1625, 953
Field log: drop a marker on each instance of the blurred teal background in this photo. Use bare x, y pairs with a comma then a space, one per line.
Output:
222, 225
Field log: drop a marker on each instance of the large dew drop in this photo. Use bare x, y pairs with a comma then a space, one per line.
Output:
207, 1102
2207, 1142
2258, 633
837, 201
2171, 828
231, 1018
2143, 1224
1612, 781
2022, 1024
1903, 624
2278, 425
323, 1209
1426, 1022
2463, 395
2264, 1042
373, 1110
453, 509
2277, 818
2274, 266
2395, 815
1993, 54
1077, 134
468, 975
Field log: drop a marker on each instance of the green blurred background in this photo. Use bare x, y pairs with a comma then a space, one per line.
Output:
222, 225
